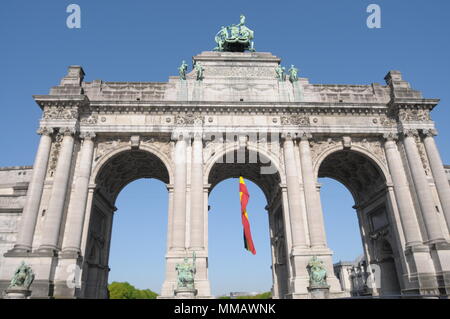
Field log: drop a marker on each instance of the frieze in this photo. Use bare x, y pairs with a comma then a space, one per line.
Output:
60, 113
387, 122
189, 119
246, 72
299, 120
416, 115
91, 119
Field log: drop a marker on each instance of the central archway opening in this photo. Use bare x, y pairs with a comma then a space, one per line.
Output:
138, 239
139, 215
374, 270
233, 270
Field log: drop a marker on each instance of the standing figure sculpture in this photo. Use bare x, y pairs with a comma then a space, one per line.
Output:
281, 76
186, 273
293, 74
199, 71
241, 20
23, 277
317, 273
182, 70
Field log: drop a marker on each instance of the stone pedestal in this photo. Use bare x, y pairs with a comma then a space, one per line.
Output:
17, 293
185, 293
322, 292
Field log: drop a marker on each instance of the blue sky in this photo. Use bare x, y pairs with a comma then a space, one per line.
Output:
146, 41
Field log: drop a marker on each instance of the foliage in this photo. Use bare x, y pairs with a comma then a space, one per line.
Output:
124, 290
264, 295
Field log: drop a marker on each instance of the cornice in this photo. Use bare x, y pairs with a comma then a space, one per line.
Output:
172, 107
61, 100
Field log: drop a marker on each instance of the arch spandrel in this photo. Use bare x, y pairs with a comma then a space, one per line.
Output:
218, 170
269, 157
378, 159
355, 168
124, 165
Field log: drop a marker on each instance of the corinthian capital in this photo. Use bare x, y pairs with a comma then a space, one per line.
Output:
390, 137
87, 135
45, 131
304, 136
429, 132
410, 133
67, 131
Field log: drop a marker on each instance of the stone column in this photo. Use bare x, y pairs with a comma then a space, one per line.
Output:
426, 202
313, 207
293, 191
437, 168
402, 193
179, 196
78, 200
34, 193
197, 198
58, 196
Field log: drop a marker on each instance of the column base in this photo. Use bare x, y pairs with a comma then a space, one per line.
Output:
17, 293
185, 293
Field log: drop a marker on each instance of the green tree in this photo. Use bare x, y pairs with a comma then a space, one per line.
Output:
124, 290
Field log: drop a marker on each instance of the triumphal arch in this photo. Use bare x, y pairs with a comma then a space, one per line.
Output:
236, 112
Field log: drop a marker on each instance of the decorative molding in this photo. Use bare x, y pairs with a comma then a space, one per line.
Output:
91, 119
54, 154
286, 109
105, 145
423, 156
416, 115
387, 122
373, 145
189, 119
300, 120
318, 147
60, 113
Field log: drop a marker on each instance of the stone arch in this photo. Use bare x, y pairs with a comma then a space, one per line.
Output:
367, 179
266, 155
111, 174
99, 164
358, 149
372, 162
217, 171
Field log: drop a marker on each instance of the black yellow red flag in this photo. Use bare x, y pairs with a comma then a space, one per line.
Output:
244, 196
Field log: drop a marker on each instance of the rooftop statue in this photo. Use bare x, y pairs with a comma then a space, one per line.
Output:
281, 76
235, 38
293, 74
23, 277
182, 70
199, 71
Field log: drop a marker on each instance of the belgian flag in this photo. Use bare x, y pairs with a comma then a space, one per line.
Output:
244, 196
